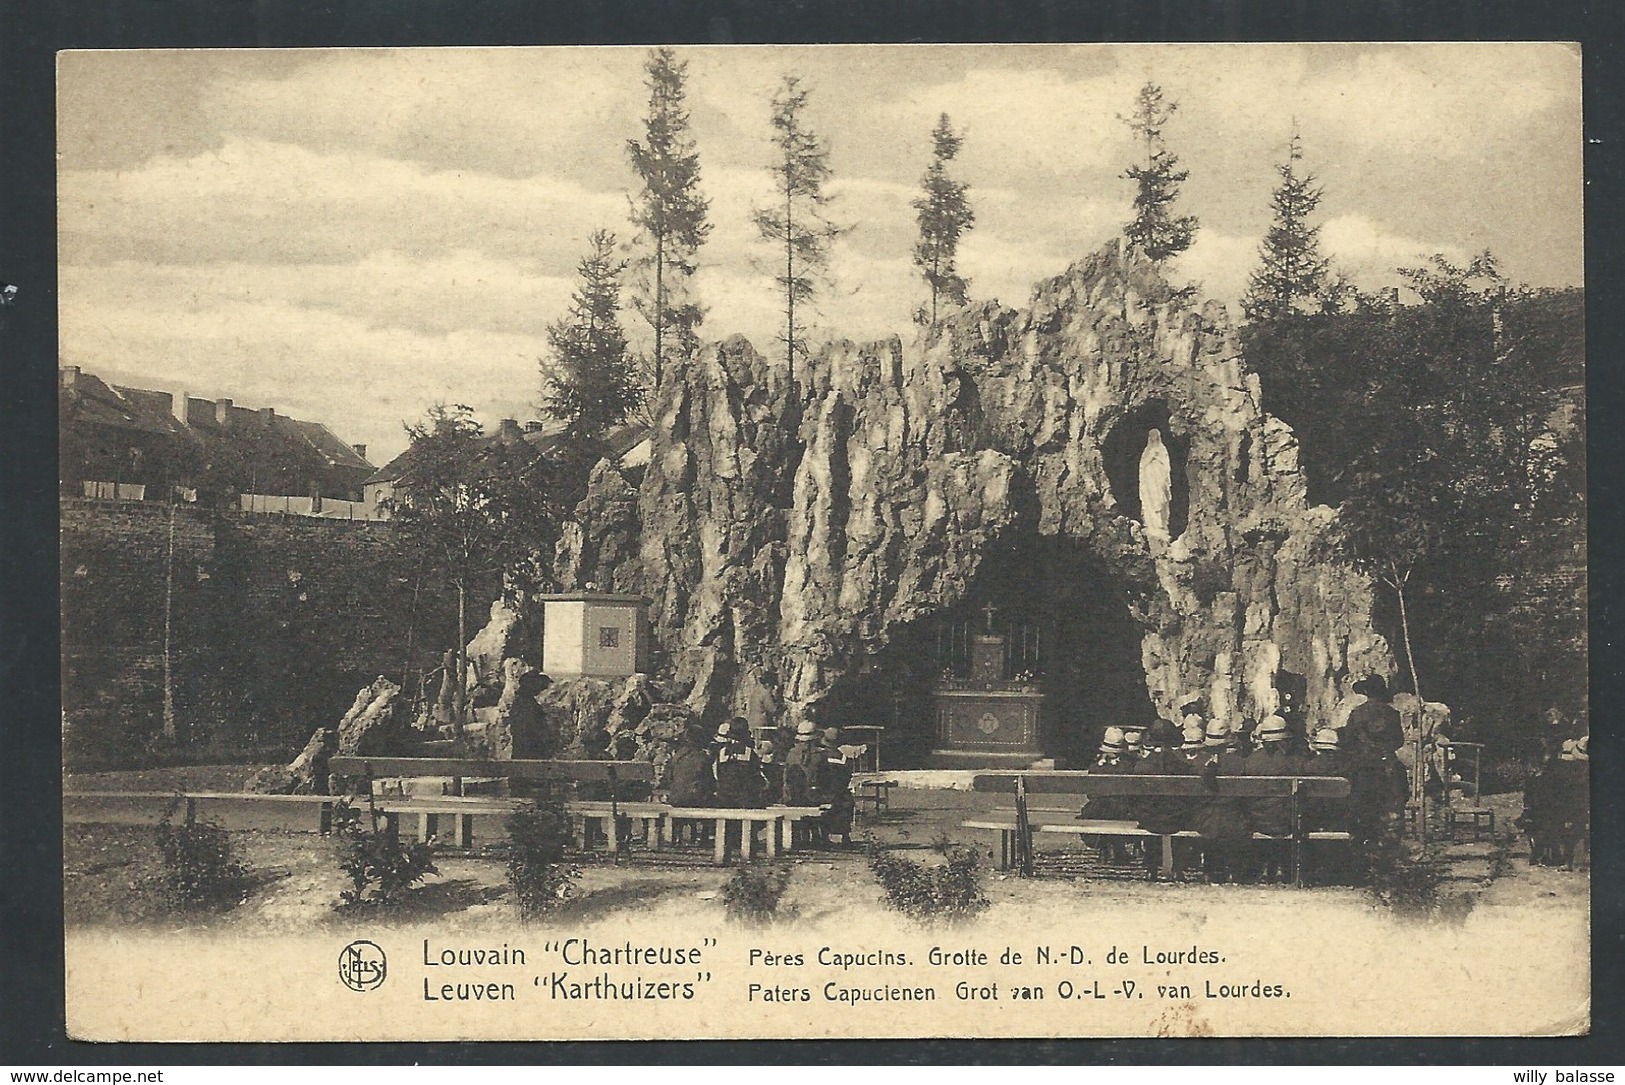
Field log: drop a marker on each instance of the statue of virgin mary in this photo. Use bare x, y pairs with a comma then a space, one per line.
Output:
1156, 485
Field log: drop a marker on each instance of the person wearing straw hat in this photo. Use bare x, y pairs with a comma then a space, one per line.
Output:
1111, 762
1325, 759
801, 767
1570, 800
1370, 740
737, 768
835, 784
1221, 820
1166, 814
1271, 815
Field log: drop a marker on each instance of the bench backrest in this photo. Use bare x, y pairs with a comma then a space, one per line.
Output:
1236, 787
581, 771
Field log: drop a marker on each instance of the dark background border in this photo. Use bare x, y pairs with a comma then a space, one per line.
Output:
31, 31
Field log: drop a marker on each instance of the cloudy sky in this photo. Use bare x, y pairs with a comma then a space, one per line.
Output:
351, 236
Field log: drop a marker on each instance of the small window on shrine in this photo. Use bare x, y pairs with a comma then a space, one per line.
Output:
609, 636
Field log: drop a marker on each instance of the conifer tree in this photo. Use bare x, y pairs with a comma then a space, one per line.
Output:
669, 212
1291, 268
944, 217
591, 384
1155, 230
797, 223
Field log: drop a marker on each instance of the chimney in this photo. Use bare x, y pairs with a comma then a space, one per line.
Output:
222, 411
359, 450
533, 427
509, 430
267, 414
178, 404
70, 376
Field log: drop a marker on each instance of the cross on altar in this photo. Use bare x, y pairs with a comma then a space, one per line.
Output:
988, 611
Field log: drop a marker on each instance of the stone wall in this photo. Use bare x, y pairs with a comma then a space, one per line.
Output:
787, 534
274, 621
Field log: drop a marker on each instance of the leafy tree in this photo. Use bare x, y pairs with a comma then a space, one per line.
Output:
1155, 230
797, 224
480, 511
669, 212
591, 384
1291, 269
944, 217
1438, 428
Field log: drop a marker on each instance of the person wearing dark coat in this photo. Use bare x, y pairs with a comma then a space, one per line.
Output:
1538, 819
688, 774
1272, 815
1570, 801
772, 772
1166, 814
737, 768
802, 768
1379, 785
835, 784
1110, 762
1222, 820
1325, 759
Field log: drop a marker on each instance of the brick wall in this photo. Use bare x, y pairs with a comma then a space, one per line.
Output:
274, 623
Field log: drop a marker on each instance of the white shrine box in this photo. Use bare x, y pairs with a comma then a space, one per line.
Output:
593, 635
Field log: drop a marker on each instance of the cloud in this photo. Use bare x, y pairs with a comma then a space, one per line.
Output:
1034, 121
1371, 251
1220, 264
435, 295
362, 381
1442, 101
258, 201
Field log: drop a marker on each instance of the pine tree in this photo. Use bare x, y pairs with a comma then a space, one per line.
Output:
591, 384
944, 217
1155, 230
669, 212
797, 223
1291, 268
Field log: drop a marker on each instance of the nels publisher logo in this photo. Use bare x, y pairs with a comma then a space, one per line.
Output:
361, 965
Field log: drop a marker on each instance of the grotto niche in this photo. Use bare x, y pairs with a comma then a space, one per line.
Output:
804, 546
1045, 627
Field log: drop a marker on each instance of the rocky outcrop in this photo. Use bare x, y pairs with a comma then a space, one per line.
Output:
304, 775
376, 724
507, 635
787, 534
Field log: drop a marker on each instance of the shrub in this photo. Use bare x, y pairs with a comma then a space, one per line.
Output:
752, 894
201, 870
949, 892
538, 837
1506, 774
380, 867
1405, 881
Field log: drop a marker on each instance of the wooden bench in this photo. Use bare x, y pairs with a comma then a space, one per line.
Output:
1015, 841
190, 800
463, 809
779, 823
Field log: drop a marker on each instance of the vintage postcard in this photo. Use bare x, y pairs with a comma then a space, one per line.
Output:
751, 542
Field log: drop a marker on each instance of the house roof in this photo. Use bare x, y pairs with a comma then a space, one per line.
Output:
546, 439
221, 430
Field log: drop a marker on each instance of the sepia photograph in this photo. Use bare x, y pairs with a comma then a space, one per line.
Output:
751, 542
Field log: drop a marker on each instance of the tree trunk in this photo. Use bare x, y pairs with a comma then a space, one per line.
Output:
660, 310
1398, 584
459, 688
